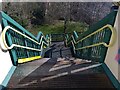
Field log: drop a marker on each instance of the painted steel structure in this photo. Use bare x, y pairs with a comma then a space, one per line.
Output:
99, 43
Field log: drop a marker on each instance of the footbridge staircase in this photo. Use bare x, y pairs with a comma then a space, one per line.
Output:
86, 60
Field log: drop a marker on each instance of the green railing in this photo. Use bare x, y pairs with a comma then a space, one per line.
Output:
57, 37
22, 45
93, 44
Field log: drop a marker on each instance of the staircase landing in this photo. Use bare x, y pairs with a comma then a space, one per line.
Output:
59, 73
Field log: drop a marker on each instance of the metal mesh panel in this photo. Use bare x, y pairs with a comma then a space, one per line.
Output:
92, 47
25, 47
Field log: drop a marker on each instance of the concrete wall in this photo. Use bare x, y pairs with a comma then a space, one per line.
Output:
5, 63
110, 60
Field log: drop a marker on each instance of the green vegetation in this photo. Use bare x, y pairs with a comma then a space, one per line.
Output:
76, 26
59, 28
21, 21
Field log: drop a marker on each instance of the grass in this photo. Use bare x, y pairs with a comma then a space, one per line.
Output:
76, 26
59, 28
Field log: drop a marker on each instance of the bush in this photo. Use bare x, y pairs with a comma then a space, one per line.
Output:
59, 28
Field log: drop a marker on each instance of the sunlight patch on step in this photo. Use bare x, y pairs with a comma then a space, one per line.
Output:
54, 76
60, 67
64, 62
67, 63
60, 59
29, 83
73, 71
80, 61
85, 68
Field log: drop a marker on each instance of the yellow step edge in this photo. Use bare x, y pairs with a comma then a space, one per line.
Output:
28, 59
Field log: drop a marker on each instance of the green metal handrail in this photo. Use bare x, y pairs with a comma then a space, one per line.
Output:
22, 45
112, 29
15, 45
40, 43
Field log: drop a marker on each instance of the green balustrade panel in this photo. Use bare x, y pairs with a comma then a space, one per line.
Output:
95, 53
13, 37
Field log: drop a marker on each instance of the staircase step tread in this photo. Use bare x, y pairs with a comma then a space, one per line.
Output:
91, 78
